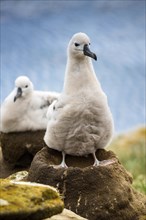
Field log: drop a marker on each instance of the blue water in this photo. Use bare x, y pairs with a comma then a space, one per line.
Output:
34, 38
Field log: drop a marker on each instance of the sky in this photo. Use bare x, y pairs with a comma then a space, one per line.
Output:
34, 38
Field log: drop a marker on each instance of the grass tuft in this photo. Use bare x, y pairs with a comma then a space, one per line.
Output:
131, 150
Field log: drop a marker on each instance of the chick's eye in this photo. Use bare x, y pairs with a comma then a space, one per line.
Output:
26, 86
76, 44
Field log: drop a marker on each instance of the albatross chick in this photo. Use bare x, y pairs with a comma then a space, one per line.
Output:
80, 121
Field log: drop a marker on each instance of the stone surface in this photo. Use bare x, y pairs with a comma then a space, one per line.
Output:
19, 176
19, 148
103, 192
29, 201
66, 215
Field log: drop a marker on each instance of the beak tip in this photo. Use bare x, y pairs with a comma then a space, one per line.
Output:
95, 57
87, 52
19, 94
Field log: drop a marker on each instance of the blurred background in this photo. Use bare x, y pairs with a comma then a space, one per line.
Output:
35, 35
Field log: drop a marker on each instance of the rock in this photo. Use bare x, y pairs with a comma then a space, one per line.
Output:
19, 148
28, 201
66, 215
103, 192
6, 169
19, 176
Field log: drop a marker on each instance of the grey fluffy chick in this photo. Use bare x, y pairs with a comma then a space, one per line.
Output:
80, 121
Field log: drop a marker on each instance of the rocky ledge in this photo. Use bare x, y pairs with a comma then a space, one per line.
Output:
28, 201
102, 192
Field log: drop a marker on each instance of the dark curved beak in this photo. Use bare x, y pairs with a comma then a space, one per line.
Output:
19, 94
87, 52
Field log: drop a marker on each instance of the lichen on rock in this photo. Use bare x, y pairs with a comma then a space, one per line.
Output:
29, 201
18, 176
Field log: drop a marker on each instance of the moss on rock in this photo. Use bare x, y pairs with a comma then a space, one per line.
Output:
24, 200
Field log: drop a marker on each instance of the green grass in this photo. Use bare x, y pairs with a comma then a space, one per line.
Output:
131, 150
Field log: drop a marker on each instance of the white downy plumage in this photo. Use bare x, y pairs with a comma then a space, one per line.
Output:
80, 121
25, 109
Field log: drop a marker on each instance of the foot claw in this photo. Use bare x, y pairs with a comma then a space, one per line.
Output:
96, 163
60, 166
63, 164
